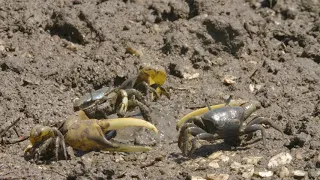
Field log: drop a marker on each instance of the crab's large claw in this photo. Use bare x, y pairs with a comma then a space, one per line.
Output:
206, 109
88, 135
119, 123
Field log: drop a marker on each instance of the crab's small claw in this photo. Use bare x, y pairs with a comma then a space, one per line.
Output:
124, 102
206, 109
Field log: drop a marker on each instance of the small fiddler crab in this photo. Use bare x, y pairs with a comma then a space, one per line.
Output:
227, 122
82, 134
133, 92
130, 94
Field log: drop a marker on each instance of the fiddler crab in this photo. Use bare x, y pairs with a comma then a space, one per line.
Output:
131, 93
89, 129
83, 134
225, 121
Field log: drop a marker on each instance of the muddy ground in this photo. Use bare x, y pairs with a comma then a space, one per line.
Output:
52, 52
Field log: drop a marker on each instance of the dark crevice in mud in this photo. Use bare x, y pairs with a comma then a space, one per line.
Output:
4, 67
164, 16
314, 57
64, 30
100, 36
193, 10
118, 80
268, 3
224, 33
286, 38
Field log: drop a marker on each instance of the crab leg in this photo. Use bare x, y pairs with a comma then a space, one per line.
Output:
204, 110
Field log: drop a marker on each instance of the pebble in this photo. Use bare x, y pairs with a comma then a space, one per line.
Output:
185, 72
251, 87
252, 159
2, 48
299, 173
118, 158
217, 177
314, 173
229, 79
214, 164
224, 158
265, 173
280, 159
197, 178
247, 170
284, 172
299, 156
215, 155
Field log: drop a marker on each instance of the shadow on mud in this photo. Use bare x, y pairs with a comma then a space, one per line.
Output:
205, 151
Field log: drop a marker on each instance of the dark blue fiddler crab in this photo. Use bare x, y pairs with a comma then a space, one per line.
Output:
228, 123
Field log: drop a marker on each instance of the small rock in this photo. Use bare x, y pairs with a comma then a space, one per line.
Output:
134, 51
235, 166
190, 76
217, 177
299, 156
156, 28
251, 87
2, 47
224, 158
299, 173
284, 172
314, 173
265, 173
252, 159
229, 79
280, 159
72, 47
118, 158
214, 164
197, 178
246, 170
200, 160
215, 155
258, 87
184, 72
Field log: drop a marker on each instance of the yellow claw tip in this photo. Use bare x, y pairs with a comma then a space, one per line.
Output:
28, 148
118, 123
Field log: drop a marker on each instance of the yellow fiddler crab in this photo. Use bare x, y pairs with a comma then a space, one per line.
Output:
229, 121
84, 134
